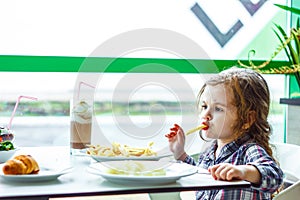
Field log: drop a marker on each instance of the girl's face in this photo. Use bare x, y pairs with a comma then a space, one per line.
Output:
218, 112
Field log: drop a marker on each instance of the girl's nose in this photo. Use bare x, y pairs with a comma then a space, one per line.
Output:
207, 115
208, 118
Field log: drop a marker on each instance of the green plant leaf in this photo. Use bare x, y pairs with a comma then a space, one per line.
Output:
297, 43
287, 8
293, 56
293, 53
282, 32
282, 41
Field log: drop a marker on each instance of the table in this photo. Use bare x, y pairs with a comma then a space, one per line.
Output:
79, 182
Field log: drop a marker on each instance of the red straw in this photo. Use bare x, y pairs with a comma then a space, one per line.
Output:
16, 106
79, 87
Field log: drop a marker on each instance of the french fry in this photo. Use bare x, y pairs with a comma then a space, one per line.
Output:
195, 129
120, 150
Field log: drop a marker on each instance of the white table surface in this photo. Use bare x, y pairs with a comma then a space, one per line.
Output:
79, 182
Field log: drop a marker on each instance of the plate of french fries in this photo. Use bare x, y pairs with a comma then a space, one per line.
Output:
119, 151
133, 172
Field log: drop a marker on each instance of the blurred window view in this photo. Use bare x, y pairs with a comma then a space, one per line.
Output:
153, 102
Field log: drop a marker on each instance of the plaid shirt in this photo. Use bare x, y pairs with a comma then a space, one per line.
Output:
241, 152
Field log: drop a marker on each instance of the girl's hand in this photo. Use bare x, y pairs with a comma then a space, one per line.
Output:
228, 172
176, 141
173, 132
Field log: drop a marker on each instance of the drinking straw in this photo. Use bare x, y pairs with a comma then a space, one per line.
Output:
79, 87
16, 106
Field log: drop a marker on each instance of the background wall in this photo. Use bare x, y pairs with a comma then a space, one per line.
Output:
78, 27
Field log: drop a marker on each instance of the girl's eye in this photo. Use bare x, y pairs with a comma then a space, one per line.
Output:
219, 109
203, 107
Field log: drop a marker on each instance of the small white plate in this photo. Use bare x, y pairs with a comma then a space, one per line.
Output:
174, 171
43, 175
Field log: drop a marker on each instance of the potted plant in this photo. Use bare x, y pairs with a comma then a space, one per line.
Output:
290, 43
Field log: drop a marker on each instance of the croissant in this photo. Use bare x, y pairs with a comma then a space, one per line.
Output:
21, 164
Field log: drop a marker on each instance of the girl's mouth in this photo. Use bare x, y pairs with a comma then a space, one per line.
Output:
206, 126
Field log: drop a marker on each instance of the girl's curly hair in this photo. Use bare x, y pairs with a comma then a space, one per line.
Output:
251, 94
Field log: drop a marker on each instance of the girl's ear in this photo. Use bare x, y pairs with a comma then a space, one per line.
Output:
250, 119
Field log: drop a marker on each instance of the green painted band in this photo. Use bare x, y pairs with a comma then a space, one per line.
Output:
20, 63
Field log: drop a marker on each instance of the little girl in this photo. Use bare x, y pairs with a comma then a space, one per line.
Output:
234, 106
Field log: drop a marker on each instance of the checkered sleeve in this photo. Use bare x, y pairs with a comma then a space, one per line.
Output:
271, 174
189, 160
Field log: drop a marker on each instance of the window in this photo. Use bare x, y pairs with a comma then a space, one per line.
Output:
151, 101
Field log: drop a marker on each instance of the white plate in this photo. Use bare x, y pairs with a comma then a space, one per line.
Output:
120, 158
43, 175
174, 171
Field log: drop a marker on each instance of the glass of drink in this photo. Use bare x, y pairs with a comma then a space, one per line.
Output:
81, 125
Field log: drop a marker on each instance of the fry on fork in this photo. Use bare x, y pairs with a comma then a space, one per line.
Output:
196, 129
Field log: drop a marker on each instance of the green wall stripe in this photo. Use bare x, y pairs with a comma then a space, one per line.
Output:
16, 63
